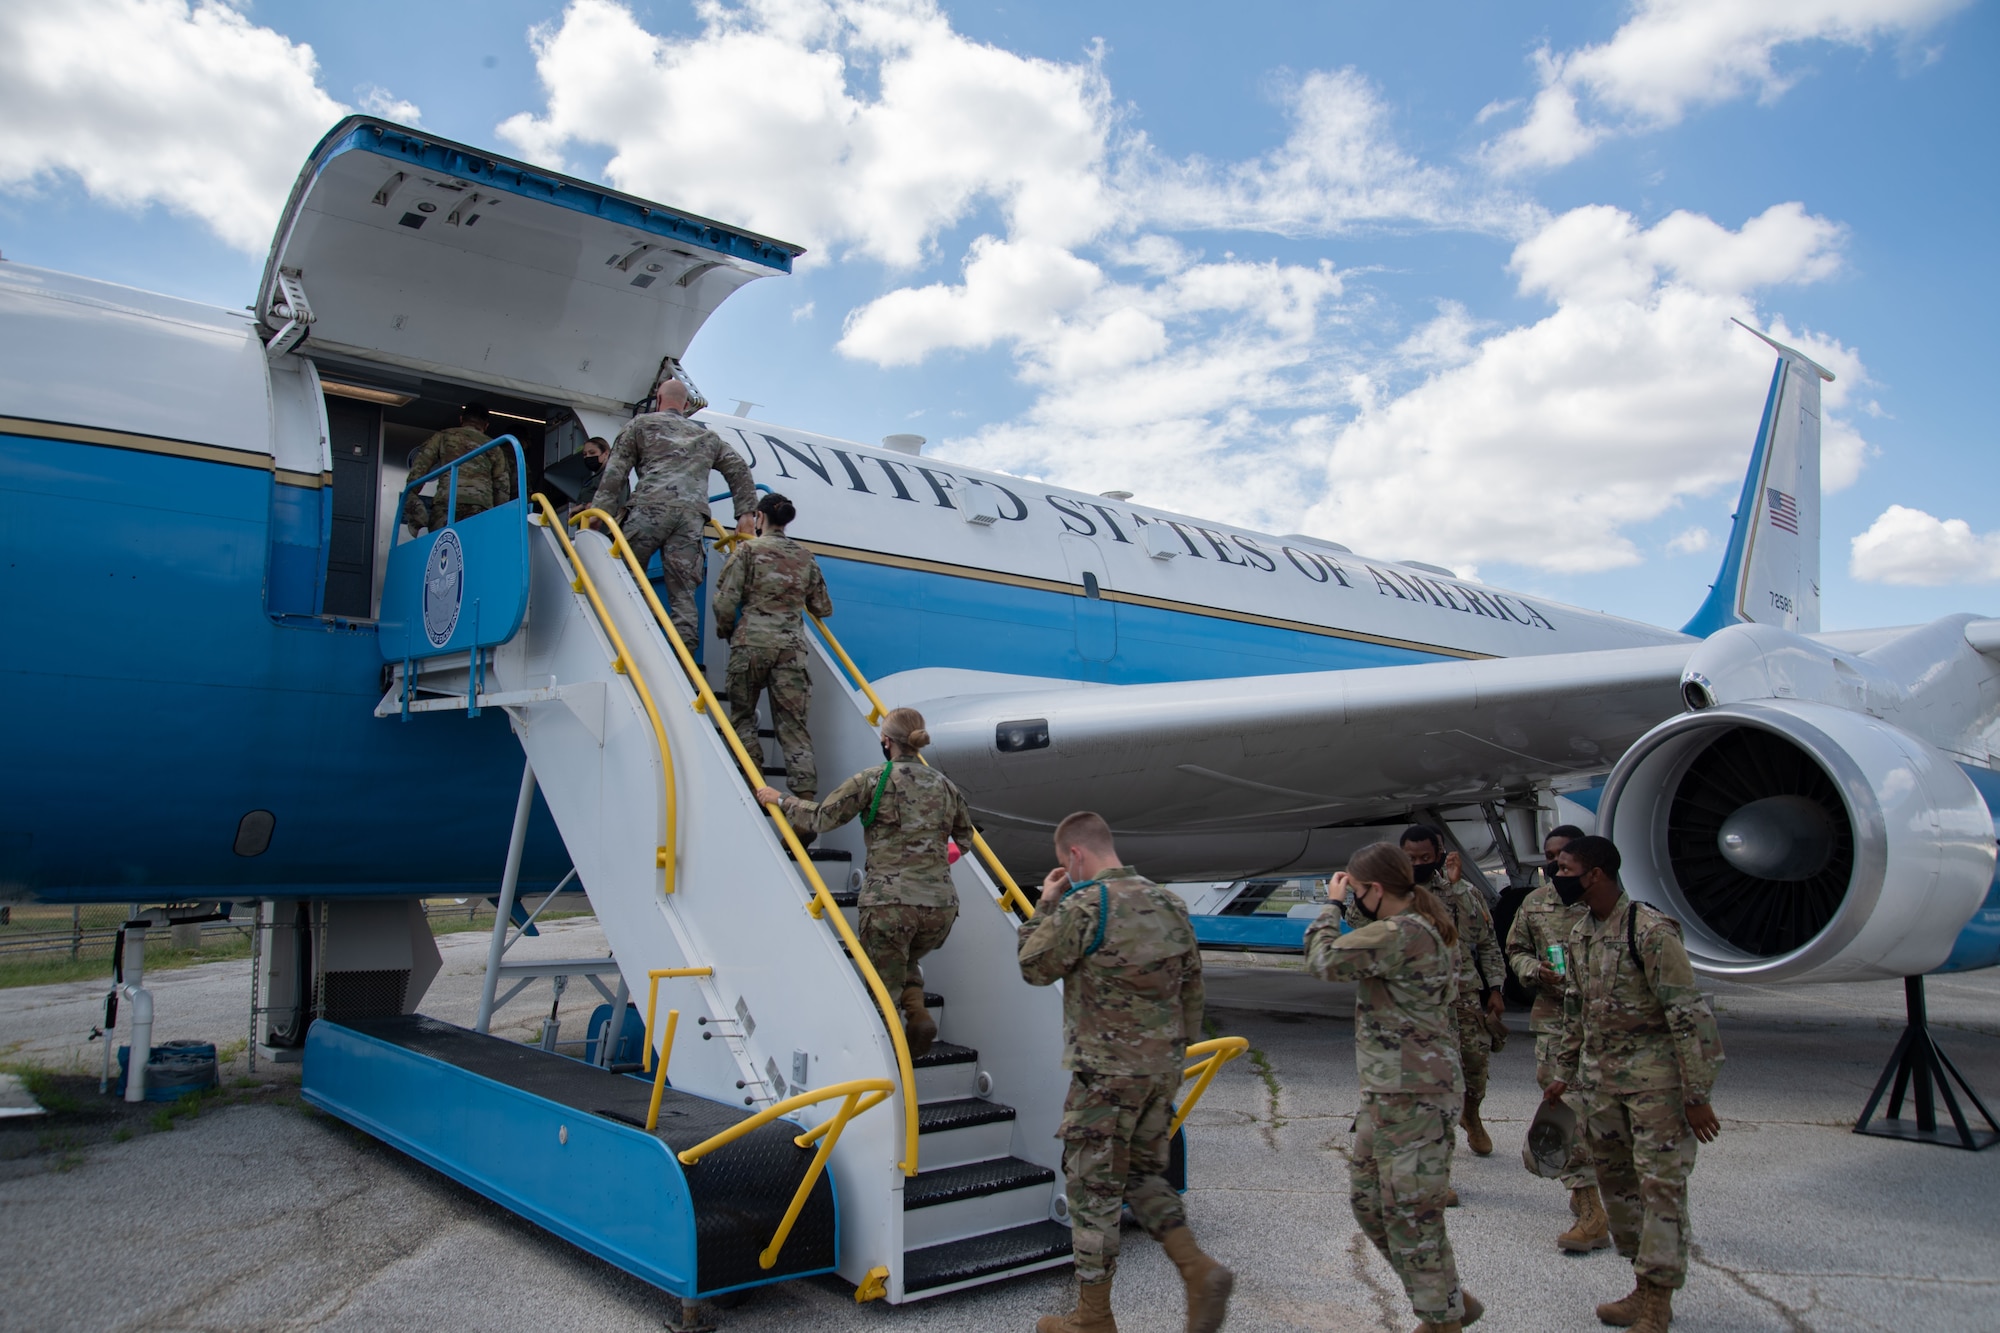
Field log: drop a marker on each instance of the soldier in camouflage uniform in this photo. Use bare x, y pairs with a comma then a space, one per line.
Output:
1406, 1053
1641, 1046
910, 811
1542, 924
669, 505
765, 589
1132, 998
1480, 970
486, 481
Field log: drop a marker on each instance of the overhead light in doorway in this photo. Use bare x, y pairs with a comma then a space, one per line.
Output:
387, 397
515, 416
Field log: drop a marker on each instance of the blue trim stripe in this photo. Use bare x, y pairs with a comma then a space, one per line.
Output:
1719, 610
1264, 934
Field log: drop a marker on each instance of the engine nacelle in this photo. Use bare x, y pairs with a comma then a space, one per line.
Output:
1800, 841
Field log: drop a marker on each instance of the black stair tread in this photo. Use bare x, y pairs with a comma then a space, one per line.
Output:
962, 1113
933, 1000
976, 1256
829, 854
845, 897
952, 1183
945, 1053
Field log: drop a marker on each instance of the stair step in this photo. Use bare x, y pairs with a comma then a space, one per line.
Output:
931, 1188
962, 1113
945, 1053
960, 1261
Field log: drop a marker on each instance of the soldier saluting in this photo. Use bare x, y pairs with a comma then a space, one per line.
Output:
1641, 1045
1132, 997
765, 590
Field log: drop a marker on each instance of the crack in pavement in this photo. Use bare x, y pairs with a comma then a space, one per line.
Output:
1795, 1319
1386, 1302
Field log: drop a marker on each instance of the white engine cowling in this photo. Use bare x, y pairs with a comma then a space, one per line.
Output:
1800, 841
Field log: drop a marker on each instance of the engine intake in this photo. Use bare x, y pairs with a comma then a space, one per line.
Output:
1799, 840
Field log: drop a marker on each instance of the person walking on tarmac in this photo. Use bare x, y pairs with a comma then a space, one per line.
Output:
1537, 944
765, 590
668, 507
1638, 1041
1406, 1052
909, 812
1126, 955
486, 481
1480, 971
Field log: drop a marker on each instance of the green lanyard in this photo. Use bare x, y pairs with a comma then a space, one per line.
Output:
1103, 911
881, 784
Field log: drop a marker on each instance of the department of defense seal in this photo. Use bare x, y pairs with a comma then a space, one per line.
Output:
444, 588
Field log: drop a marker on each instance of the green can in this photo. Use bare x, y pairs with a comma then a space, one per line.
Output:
1558, 958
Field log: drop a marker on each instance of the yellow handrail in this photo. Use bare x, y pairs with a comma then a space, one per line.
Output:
1010, 892
822, 900
653, 980
862, 1094
1219, 1052
625, 666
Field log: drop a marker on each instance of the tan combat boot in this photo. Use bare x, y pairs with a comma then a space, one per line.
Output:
1091, 1315
1476, 1137
1625, 1312
1208, 1282
1451, 1198
1656, 1311
1593, 1226
917, 1023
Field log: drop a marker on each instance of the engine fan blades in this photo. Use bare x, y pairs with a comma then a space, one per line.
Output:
1729, 788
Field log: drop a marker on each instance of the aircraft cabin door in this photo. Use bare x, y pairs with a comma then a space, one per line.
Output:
1096, 618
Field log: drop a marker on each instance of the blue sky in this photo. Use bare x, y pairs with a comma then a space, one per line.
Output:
1444, 281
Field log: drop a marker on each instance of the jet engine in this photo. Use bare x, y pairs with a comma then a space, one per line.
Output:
1800, 841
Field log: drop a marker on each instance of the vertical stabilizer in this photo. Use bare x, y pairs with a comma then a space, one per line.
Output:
1770, 571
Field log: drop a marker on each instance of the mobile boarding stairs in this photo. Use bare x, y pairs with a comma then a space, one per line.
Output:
779, 1127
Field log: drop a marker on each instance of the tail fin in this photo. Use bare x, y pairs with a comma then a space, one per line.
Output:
1770, 572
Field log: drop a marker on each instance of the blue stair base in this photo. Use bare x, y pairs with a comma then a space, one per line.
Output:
494, 1116
1256, 934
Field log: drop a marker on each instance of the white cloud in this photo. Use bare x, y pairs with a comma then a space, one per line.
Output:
1674, 55
158, 102
1634, 393
1910, 547
379, 101
1691, 541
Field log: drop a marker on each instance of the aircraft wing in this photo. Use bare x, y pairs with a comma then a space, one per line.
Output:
1291, 751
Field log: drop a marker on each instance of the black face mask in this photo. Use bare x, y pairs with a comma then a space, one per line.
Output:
594, 463
887, 753
1363, 908
1569, 888
1422, 871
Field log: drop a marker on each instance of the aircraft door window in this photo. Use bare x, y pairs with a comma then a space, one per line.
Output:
1095, 616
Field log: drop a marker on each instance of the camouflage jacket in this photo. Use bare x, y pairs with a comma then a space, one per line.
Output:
1540, 921
1405, 1033
767, 586
486, 481
673, 457
1635, 1029
919, 810
1131, 972
1478, 947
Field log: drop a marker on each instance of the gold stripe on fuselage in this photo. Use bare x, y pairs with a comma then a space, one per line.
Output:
1132, 598
160, 444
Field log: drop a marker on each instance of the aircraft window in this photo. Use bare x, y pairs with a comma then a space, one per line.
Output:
1089, 584
1027, 734
253, 833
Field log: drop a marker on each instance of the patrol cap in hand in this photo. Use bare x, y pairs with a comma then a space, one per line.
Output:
1551, 1135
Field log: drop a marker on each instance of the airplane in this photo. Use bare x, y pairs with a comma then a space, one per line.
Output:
213, 602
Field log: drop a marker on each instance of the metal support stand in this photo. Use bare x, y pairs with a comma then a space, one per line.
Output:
510, 883
1926, 1073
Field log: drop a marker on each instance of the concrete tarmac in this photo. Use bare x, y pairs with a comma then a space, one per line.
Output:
272, 1216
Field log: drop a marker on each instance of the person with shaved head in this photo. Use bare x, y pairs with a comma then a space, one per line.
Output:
1132, 999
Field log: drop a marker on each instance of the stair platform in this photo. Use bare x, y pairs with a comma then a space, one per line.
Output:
964, 1263
562, 1143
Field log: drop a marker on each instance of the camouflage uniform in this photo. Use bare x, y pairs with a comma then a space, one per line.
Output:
1132, 998
765, 588
1406, 1052
1542, 920
1639, 1043
486, 481
1479, 969
669, 506
908, 902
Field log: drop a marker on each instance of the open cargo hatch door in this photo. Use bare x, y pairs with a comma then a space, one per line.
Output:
401, 248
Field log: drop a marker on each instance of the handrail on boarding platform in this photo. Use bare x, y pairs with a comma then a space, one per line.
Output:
1218, 1053
625, 666
1010, 892
822, 903
451, 510
861, 1094
653, 980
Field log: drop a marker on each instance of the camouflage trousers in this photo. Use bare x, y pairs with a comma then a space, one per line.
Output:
1578, 1172
1399, 1172
1475, 1049
783, 672
1644, 1152
896, 935
674, 530
1115, 1152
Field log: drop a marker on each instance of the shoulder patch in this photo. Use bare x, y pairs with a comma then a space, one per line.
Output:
1654, 919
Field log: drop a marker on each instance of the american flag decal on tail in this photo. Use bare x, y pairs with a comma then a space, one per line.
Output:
1783, 508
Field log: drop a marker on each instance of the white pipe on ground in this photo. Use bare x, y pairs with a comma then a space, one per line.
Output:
141, 1001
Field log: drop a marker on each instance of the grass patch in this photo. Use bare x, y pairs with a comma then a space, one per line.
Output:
41, 1085
93, 962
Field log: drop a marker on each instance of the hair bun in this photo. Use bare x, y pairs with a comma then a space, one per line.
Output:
918, 739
